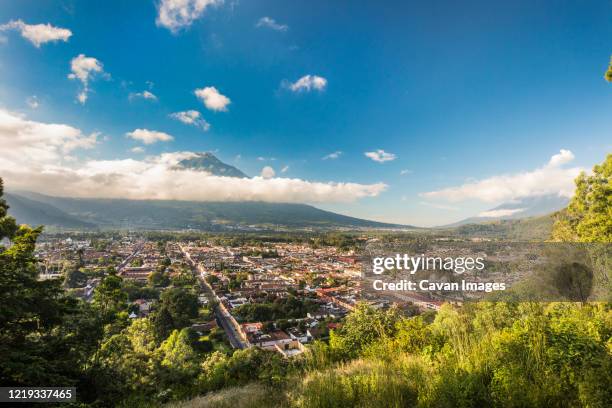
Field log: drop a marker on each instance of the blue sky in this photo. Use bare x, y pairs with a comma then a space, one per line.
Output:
456, 93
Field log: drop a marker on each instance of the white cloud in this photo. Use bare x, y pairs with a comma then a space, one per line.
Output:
32, 102
500, 213
82, 97
191, 117
137, 149
144, 95
26, 141
178, 14
564, 156
84, 69
405, 171
284, 169
380, 156
268, 172
552, 178
38, 34
46, 148
332, 156
308, 83
270, 23
149, 136
212, 99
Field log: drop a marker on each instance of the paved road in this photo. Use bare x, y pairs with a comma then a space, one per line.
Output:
130, 257
221, 313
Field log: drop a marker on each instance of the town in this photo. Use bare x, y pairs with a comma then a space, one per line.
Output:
262, 291
278, 296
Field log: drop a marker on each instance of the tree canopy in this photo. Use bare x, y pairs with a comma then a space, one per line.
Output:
588, 217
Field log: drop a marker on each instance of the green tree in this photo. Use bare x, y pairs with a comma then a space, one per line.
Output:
73, 277
588, 217
136, 262
244, 366
110, 298
37, 334
362, 327
158, 278
177, 306
608, 74
178, 358
128, 364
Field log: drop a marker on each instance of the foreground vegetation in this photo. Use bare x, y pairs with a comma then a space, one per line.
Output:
483, 354
486, 354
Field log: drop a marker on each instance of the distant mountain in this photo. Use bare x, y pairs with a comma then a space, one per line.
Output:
27, 211
209, 163
518, 209
34, 208
160, 214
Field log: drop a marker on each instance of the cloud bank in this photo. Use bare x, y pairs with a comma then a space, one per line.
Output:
25, 142
43, 145
551, 178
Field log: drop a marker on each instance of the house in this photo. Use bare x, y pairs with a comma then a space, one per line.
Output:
270, 340
299, 335
137, 273
252, 327
144, 306
290, 349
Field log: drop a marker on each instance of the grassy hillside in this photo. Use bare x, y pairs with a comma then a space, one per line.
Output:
481, 355
253, 395
527, 229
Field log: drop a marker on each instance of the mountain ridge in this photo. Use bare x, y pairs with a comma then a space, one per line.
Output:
526, 207
35, 208
171, 214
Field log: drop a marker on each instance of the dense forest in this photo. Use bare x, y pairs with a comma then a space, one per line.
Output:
483, 354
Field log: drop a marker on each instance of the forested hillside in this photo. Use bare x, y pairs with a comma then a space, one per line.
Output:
83, 213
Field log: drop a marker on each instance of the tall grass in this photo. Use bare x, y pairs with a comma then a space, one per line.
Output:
363, 383
250, 396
